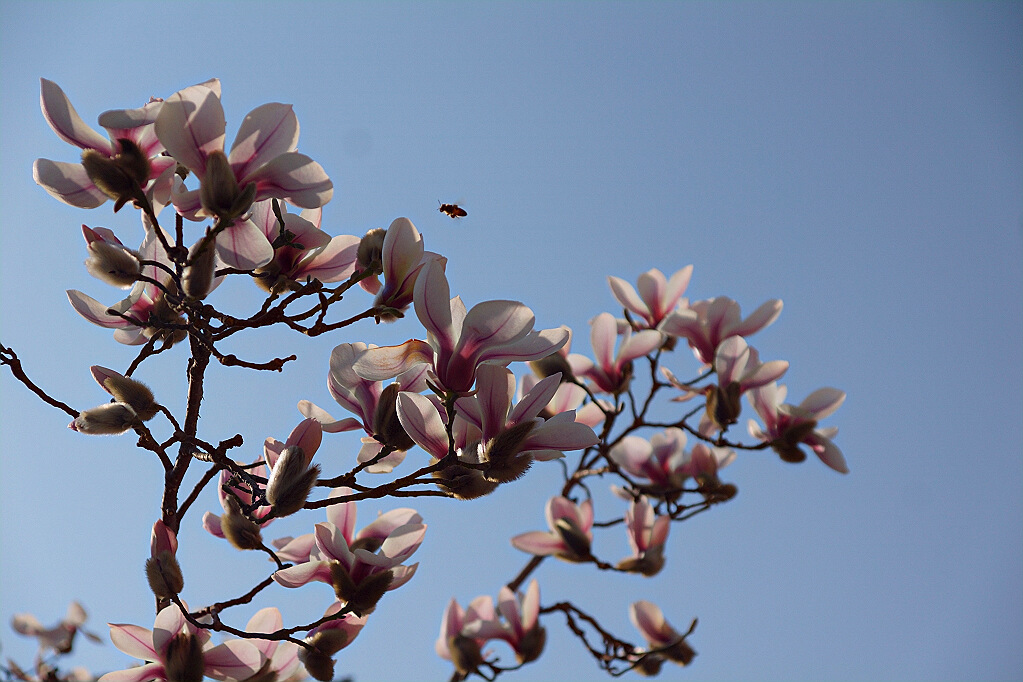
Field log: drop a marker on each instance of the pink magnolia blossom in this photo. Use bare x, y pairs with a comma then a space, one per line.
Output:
571, 532
69, 182
326, 640
458, 342
280, 659
660, 636
402, 258
373, 404
705, 324
786, 426
60, 638
647, 534
520, 626
657, 296
611, 372
175, 648
312, 253
568, 398
359, 571
191, 126
458, 642
664, 461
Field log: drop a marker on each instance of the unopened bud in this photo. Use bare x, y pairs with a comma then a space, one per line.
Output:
219, 192
723, 404
126, 390
387, 427
329, 640
164, 575
317, 664
371, 249
531, 645
502, 453
115, 265
680, 652
120, 177
464, 483
465, 653
361, 598
184, 661
197, 278
105, 420
240, 531
576, 540
291, 481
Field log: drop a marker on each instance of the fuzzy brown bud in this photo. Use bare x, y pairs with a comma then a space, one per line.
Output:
680, 652
531, 645
120, 177
163, 573
550, 365
115, 265
387, 427
105, 420
578, 543
502, 454
240, 531
329, 641
463, 483
317, 664
649, 665
291, 481
197, 278
371, 249
649, 564
219, 192
361, 598
184, 662
723, 404
134, 394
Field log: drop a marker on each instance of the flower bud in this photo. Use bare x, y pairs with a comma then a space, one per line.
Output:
371, 249
163, 573
363, 597
291, 481
163, 314
680, 652
317, 664
329, 640
219, 192
115, 265
465, 653
126, 390
387, 428
105, 420
184, 662
502, 453
197, 278
120, 177
578, 543
649, 564
723, 404
240, 531
463, 483
531, 645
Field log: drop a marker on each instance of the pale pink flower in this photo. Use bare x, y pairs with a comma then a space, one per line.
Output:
705, 324
657, 296
458, 342
69, 182
611, 372
571, 532
280, 659
60, 638
456, 642
402, 258
660, 636
647, 534
567, 398
786, 426
520, 626
168, 646
664, 461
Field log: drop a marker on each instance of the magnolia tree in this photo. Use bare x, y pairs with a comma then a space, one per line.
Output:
462, 391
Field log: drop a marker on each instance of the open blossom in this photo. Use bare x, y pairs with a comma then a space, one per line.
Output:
280, 659
660, 636
786, 426
459, 640
400, 259
60, 638
657, 296
647, 535
738, 369
705, 324
664, 461
520, 626
177, 651
571, 532
373, 403
311, 254
359, 570
129, 128
458, 342
611, 372
191, 126
567, 398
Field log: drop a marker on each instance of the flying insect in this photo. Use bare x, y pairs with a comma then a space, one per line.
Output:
453, 210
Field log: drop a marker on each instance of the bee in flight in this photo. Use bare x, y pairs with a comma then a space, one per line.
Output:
453, 210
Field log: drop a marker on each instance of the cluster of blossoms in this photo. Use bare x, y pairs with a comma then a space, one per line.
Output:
453, 394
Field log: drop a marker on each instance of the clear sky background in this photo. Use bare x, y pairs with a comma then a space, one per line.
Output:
861, 161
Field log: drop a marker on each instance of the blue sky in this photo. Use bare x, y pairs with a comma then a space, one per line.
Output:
861, 161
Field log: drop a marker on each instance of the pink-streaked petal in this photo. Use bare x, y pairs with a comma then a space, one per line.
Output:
387, 523
561, 432
370, 449
211, 522
235, 659
450, 626
67, 182
161, 539
134, 640
327, 422
307, 435
765, 374
650, 286
244, 246
533, 402
823, 402
659, 533
295, 550
402, 250
649, 620
627, 296
335, 262
169, 622
299, 575
639, 344
265, 620
730, 359
295, 177
531, 605
433, 304
760, 318
422, 422
65, 121
538, 543
603, 335
402, 542
387, 362
828, 453
401, 575
188, 203
143, 673
266, 132
191, 125
534, 346
343, 515
94, 311
675, 287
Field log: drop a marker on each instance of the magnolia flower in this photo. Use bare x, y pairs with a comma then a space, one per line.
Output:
177, 651
458, 342
664, 461
647, 535
128, 129
520, 628
162, 569
738, 369
60, 638
612, 372
280, 659
457, 642
668, 643
786, 426
567, 398
511, 438
291, 474
326, 640
657, 296
400, 259
571, 532
191, 126
373, 404
109, 259
311, 253
705, 324
360, 573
